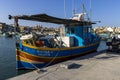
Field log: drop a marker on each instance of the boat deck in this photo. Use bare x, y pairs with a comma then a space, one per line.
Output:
97, 66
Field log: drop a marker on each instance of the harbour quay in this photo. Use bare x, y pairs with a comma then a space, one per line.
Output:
100, 65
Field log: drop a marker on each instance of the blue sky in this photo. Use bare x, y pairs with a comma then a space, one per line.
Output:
106, 11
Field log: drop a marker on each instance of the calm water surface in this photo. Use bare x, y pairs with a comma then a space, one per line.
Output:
7, 58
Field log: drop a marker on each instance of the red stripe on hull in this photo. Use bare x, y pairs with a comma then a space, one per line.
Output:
46, 60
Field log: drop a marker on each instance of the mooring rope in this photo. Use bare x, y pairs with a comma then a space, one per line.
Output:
46, 64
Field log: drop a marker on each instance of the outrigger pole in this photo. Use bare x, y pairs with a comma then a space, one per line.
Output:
15, 21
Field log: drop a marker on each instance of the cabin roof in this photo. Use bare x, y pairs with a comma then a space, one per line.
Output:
51, 19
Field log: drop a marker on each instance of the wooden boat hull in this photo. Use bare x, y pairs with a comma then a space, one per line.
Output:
29, 57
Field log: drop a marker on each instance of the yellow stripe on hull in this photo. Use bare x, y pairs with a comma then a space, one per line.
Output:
23, 56
65, 48
20, 58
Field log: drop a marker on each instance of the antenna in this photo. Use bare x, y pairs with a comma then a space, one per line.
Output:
64, 9
90, 9
83, 11
73, 7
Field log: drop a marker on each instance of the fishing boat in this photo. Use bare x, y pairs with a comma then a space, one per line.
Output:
78, 40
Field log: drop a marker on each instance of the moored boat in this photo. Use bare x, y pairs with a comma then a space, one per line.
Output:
78, 40
8, 35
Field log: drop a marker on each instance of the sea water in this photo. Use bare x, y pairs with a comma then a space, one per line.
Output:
8, 59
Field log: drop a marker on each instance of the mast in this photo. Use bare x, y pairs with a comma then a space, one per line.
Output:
91, 10
73, 7
83, 11
64, 9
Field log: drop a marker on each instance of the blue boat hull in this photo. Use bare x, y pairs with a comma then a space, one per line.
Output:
29, 57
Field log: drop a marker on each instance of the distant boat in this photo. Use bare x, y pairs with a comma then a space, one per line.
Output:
34, 53
3, 34
8, 34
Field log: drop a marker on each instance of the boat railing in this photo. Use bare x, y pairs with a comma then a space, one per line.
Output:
51, 42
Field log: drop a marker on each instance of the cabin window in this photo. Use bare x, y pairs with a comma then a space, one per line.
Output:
85, 29
70, 30
89, 29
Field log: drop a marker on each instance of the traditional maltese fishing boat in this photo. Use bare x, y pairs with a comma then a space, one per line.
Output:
78, 39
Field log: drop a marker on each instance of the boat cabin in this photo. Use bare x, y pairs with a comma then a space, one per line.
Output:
77, 33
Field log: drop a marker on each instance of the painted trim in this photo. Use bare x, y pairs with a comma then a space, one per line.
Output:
50, 57
45, 59
24, 59
65, 48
